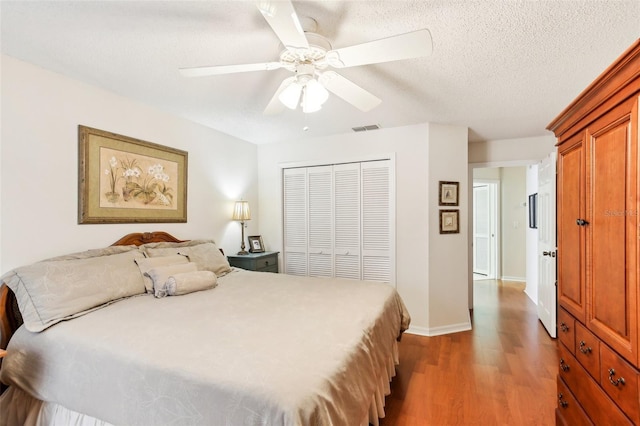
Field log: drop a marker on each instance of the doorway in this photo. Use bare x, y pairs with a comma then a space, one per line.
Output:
486, 199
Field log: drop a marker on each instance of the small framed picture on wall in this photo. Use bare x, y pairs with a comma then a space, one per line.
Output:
448, 193
449, 222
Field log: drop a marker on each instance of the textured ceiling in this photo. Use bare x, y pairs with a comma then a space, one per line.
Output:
504, 69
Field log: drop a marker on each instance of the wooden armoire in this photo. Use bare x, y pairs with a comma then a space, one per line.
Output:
599, 249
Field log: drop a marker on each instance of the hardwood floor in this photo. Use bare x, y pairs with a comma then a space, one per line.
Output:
503, 372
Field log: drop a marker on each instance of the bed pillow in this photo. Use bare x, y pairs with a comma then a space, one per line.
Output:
189, 282
55, 290
204, 253
148, 263
159, 275
105, 251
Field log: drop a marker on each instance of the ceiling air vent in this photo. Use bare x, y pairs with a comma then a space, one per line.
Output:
366, 128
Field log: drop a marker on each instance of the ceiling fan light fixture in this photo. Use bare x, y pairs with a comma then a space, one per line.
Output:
291, 95
308, 104
316, 91
313, 96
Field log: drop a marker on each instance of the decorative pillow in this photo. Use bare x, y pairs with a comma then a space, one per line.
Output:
204, 253
55, 290
188, 282
105, 251
159, 275
149, 263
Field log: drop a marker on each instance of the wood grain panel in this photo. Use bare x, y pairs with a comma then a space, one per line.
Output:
611, 241
570, 184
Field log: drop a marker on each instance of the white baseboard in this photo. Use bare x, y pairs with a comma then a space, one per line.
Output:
518, 279
437, 331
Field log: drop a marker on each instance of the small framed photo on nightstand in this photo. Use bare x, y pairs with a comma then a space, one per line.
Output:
255, 244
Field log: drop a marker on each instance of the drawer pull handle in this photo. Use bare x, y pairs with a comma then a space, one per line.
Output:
562, 402
564, 327
563, 366
581, 222
584, 350
616, 382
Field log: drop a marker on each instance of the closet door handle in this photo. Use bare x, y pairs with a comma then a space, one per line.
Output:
581, 222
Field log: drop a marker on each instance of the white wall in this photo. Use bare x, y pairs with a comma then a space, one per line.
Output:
420, 151
532, 239
448, 258
517, 151
514, 223
41, 112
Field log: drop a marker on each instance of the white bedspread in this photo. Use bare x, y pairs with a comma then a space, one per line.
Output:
259, 349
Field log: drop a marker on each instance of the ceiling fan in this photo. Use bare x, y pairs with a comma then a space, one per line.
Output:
308, 55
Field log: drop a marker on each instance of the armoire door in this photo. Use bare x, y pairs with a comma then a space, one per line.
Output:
612, 161
571, 235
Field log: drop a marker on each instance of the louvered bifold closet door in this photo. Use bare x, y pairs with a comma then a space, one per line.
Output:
347, 221
320, 217
295, 218
376, 221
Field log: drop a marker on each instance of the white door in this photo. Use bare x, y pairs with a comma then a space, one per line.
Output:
547, 295
481, 230
320, 221
347, 221
295, 218
377, 221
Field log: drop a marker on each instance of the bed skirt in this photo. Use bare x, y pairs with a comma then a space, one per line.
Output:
21, 409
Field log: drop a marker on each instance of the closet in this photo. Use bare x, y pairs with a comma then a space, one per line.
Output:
339, 221
599, 249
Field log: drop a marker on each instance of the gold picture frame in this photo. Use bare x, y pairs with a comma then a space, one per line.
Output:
127, 180
448, 193
449, 222
256, 245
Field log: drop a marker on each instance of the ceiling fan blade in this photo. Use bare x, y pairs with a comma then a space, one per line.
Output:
349, 91
284, 21
404, 46
228, 69
275, 106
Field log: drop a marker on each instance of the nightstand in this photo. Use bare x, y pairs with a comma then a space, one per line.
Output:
261, 262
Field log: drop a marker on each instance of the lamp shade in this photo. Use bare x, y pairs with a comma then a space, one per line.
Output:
314, 96
291, 95
241, 211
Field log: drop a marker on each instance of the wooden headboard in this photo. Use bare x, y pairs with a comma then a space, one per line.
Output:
10, 318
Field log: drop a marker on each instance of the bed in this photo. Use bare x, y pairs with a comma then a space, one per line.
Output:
254, 349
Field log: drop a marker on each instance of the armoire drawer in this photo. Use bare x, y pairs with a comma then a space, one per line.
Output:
588, 350
595, 402
620, 381
567, 330
569, 410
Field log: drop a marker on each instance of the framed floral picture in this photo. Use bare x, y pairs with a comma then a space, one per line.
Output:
127, 180
448, 193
